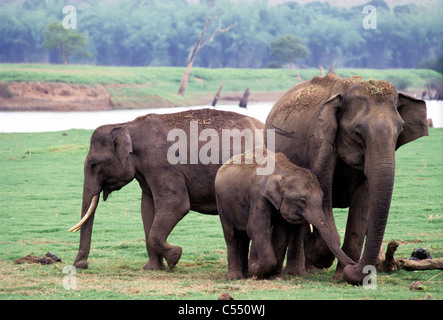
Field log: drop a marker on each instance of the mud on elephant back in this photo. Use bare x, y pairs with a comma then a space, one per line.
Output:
171, 179
347, 131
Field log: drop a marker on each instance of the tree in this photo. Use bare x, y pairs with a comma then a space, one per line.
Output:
67, 42
200, 44
288, 48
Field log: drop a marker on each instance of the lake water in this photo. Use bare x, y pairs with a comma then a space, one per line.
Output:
59, 121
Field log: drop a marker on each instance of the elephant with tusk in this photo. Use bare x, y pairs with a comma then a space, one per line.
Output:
168, 156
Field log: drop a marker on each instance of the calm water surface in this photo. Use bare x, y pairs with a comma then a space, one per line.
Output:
59, 121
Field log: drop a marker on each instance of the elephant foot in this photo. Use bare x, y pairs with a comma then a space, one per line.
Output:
255, 269
259, 270
81, 265
235, 275
295, 270
273, 275
173, 256
338, 275
150, 266
353, 274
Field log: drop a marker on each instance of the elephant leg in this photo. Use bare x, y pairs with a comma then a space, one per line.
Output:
237, 243
296, 252
244, 252
280, 237
267, 261
253, 256
169, 210
262, 242
356, 225
155, 261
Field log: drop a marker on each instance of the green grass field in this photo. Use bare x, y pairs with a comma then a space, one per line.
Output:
42, 177
132, 86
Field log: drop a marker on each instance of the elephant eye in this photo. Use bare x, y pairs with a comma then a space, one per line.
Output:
302, 201
95, 168
357, 136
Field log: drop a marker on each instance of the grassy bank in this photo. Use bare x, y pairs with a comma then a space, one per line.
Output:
42, 176
138, 86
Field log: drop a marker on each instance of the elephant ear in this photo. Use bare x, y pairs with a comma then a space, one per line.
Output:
413, 113
325, 131
122, 143
327, 122
273, 191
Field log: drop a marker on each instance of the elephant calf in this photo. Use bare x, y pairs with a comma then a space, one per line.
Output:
251, 207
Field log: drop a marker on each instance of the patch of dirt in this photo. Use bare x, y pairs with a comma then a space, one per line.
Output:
50, 96
48, 258
27, 259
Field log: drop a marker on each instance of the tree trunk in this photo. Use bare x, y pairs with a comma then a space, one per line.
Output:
426, 264
185, 78
65, 58
387, 262
199, 44
217, 95
244, 101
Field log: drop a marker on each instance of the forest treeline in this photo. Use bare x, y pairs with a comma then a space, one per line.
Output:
161, 33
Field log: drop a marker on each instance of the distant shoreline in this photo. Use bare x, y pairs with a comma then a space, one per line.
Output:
62, 97
39, 87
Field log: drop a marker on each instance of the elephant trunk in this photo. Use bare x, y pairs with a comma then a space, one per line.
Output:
89, 205
380, 172
328, 237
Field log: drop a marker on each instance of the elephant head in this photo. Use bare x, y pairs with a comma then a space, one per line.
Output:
366, 122
299, 199
108, 167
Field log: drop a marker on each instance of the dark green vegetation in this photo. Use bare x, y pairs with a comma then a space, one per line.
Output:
66, 42
161, 33
42, 177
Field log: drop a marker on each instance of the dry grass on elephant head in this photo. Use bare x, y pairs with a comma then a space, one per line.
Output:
320, 89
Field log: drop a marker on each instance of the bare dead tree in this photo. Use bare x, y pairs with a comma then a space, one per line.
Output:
217, 95
387, 262
200, 44
244, 101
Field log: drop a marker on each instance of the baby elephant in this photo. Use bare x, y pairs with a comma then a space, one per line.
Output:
251, 207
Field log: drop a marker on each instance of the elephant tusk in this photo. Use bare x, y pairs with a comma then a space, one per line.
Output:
87, 215
311, 227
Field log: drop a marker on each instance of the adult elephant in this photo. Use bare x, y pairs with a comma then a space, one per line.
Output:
175, 176
346, 131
